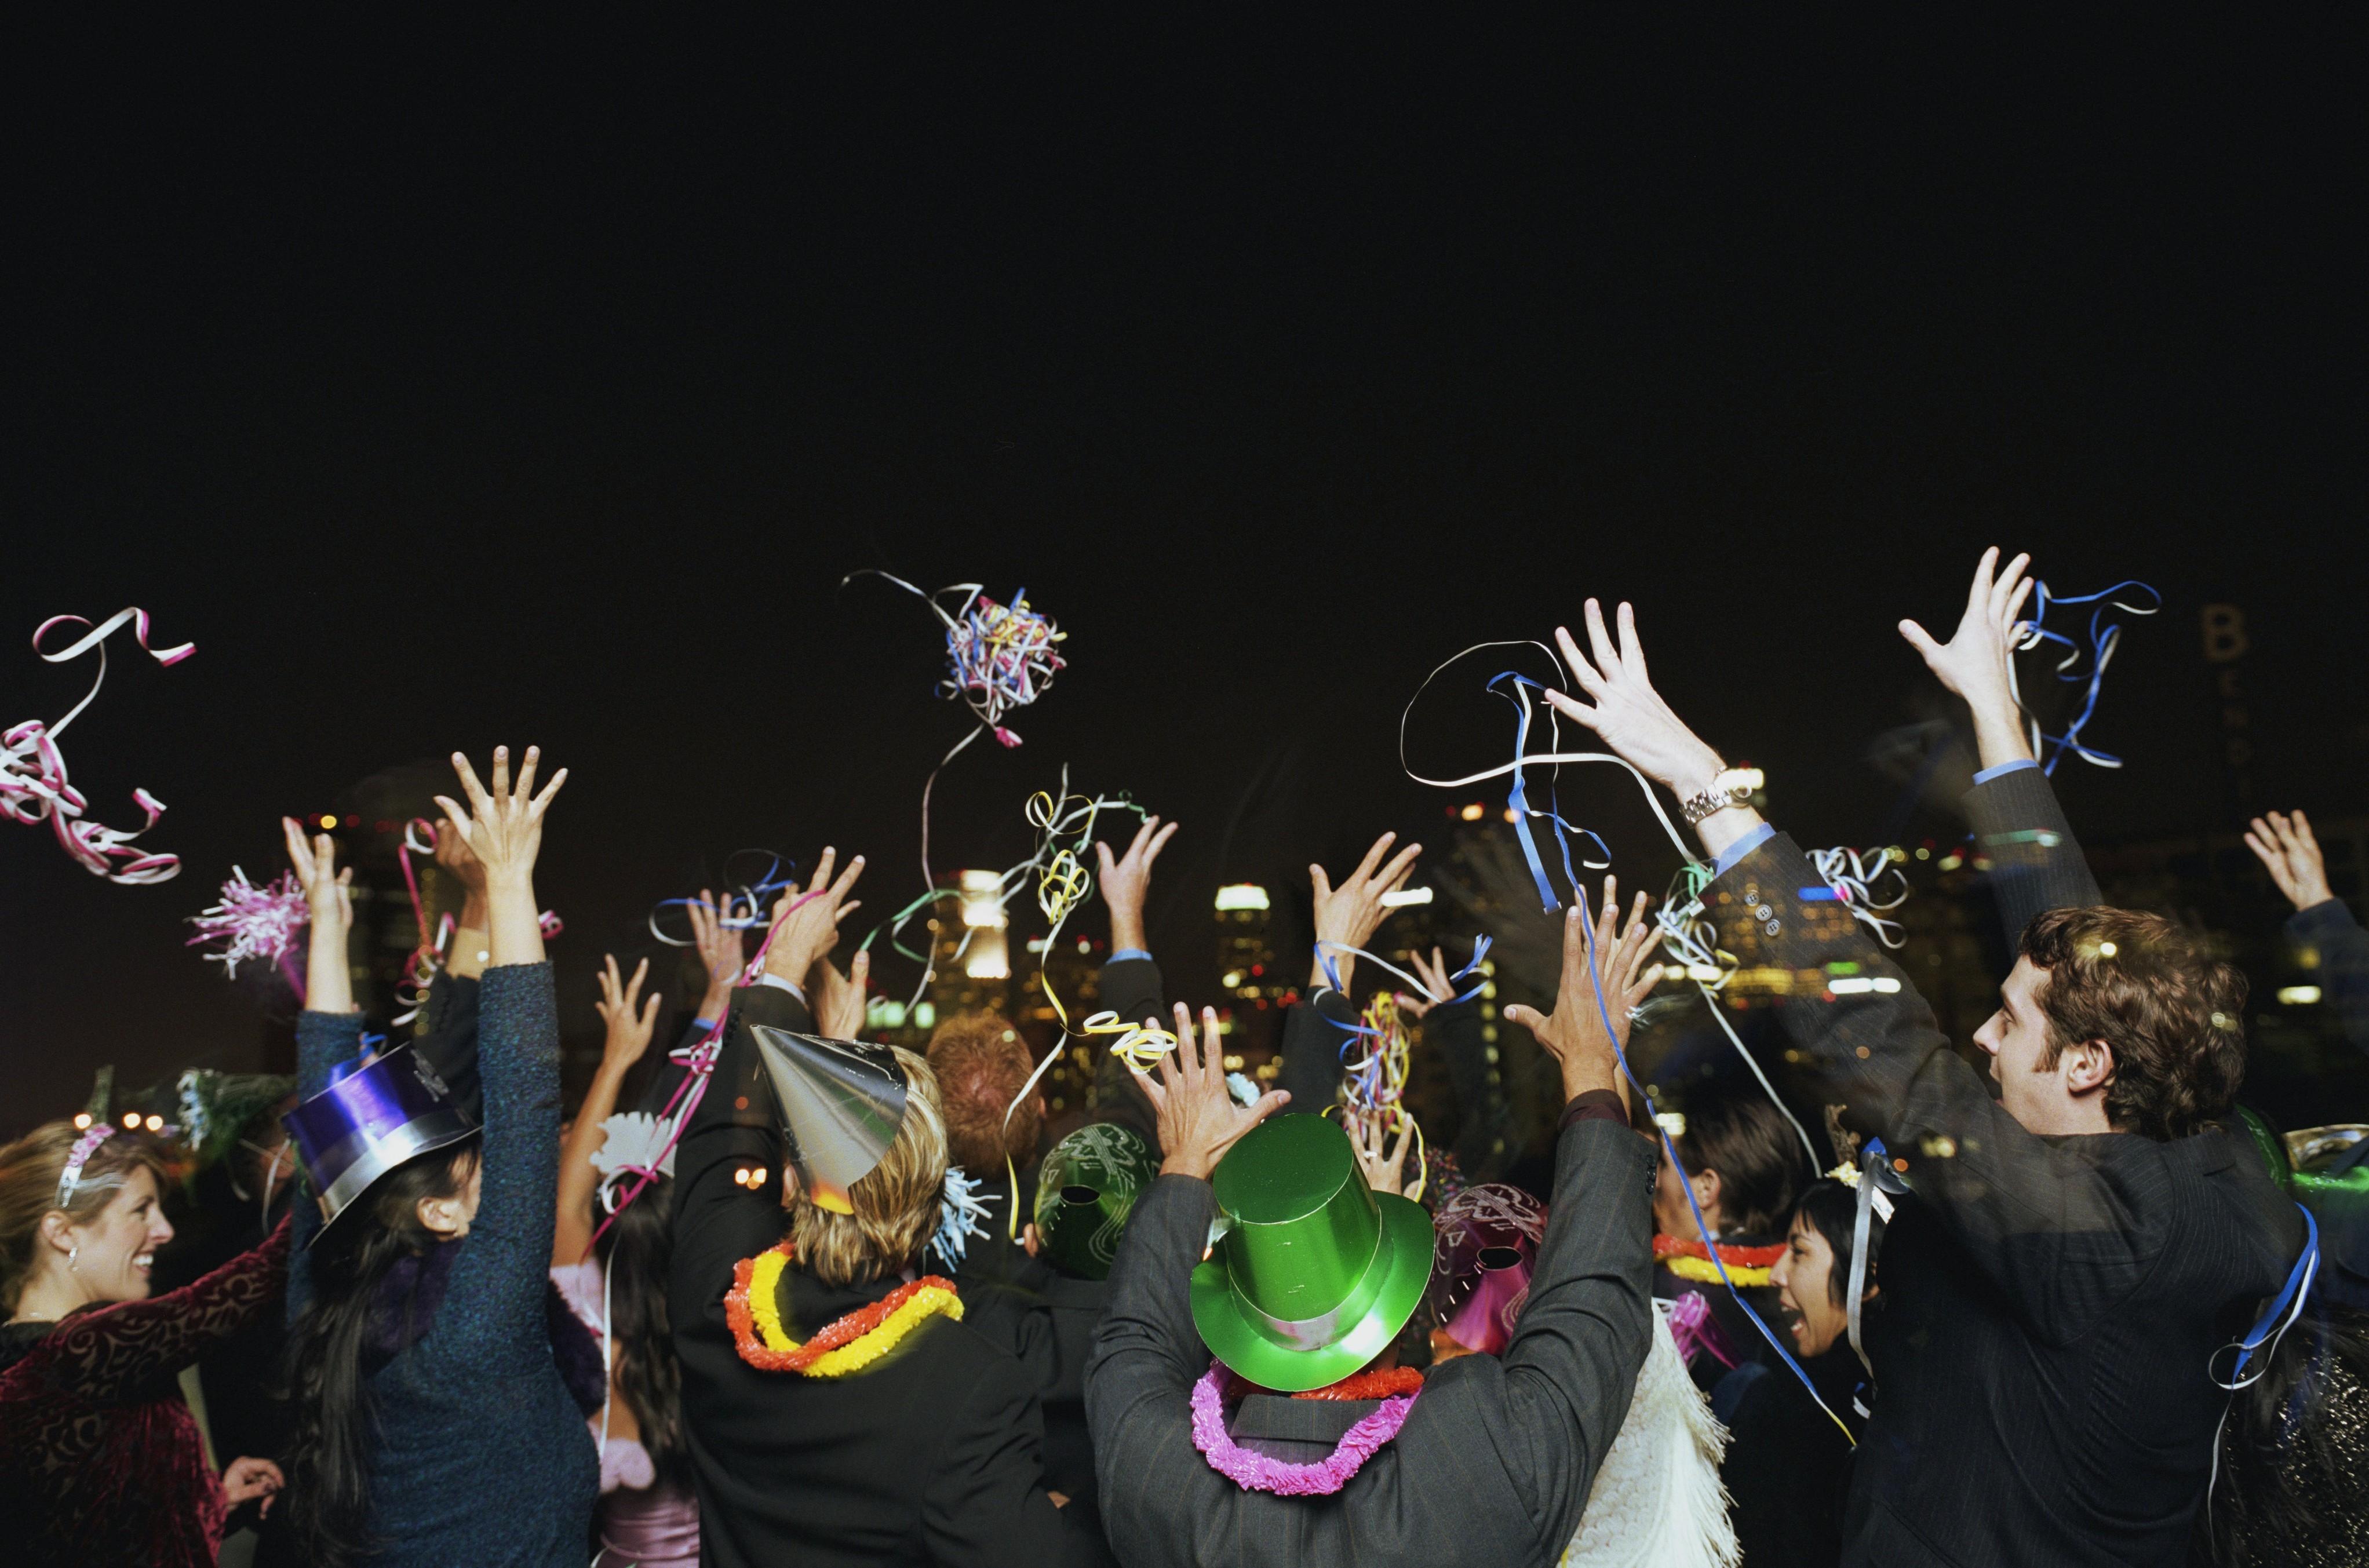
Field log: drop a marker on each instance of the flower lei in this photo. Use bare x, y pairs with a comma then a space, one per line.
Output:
1691, 1260
1258, 1472
848, 1343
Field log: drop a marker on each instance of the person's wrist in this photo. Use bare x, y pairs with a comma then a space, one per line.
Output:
1697, 773
1127, 931
1998, 735
1187, 1164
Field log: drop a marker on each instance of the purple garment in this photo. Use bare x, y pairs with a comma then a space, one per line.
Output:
654, 1527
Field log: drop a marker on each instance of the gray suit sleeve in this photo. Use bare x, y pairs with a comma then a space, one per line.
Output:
2036, 863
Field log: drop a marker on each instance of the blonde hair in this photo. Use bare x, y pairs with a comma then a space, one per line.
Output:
30, 1169
896, 1203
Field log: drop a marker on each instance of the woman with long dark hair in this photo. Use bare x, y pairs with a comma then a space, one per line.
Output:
100, 1460
611, 1253
434, 1426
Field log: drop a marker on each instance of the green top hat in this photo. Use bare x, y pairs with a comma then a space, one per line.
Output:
1085, 1189
1316, 1272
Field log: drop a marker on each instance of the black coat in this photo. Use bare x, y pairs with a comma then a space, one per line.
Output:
1495, 1462
931, 1455
1788, 1466
2051, 1301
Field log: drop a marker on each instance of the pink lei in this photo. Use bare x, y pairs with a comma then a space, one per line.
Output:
1258, 1472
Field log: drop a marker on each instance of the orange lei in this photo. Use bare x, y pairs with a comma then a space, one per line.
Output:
847, 1344
1381, 1382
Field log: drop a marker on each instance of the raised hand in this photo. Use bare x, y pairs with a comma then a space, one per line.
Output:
1126, 880
840, 1000
1978, 661
1347, 915
1198, 1119
1624, 708
721, 952
504, 828
1384, 1172
806, 924
1574, 1033
328, 895
629, 1030
2288, 851
1436, 986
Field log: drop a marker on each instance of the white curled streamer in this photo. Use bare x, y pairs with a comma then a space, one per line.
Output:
1854, 874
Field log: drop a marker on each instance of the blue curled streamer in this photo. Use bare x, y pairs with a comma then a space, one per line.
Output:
780, 876
1357, 1029
1518, 799
2104, 635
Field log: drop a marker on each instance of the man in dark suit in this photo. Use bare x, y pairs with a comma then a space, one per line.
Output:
2073, 1252
1496, 1455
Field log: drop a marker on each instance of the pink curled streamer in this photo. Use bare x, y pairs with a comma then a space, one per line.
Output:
33, 782
254, 924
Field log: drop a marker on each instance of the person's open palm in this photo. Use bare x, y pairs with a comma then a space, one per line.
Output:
840, 1001
1436, 985
630, 1021
328, 892
1127, 879
1602, 980
1624, 709
1198, 1118
2288, 850
503, 827
806, 924
1977, 662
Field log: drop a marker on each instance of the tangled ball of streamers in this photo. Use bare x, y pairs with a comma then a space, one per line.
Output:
999, 658
1690, 936
1859, 878
742, 908
33, 784
1374, 1076
251, 923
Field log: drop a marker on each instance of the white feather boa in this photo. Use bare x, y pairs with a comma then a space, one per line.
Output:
1657, 1501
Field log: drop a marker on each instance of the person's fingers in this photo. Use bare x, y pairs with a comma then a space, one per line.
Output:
1322, 883
1102, 863
1264, 1106
1159, 842
1153, 1089
847, 878
1599, 641
1188, 1070
542, 803
2015, 604
1213, 1046
525, 786
2302, 831
501, 790
1401, 865
845, 909
2004, 585
1978, 592
1632, 646
650, 1012
300, 853
1373, 858
633, 985
325, 851
1574, 945
1142, 833
1921, 640
1529, 1018
1573, 708
823, 867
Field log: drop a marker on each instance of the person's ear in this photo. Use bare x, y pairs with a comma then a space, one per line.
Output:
1707, 1186
2087, 1067
444, 1215
57, 1231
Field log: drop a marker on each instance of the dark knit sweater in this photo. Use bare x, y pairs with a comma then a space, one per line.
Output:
482, 1458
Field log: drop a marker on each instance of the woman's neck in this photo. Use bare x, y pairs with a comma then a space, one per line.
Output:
49, 1297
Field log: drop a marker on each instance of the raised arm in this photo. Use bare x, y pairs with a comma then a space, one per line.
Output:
500, 1279
2036, 864
2321, 923
330, 1029
2051, 1229
1131, 985
630, 1027
120, 1351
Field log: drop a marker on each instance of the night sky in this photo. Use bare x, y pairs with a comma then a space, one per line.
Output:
476, 386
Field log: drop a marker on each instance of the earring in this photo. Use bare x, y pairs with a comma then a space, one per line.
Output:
72, 1253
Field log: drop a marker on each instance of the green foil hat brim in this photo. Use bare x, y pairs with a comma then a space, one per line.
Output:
1402, 1262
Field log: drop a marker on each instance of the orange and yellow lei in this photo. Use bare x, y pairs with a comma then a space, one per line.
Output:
1691, 1260
753, 1309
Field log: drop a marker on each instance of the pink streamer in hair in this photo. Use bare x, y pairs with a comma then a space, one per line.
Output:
33, 784
1259, 1473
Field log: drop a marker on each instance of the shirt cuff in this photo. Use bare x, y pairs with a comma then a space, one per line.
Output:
1988, 774
1126, 952
1742, 847
1595, 1105
790, 986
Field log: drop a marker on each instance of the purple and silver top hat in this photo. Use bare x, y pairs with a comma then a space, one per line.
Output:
369, 1120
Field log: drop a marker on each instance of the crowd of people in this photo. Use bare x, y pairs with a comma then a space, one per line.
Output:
817, 1300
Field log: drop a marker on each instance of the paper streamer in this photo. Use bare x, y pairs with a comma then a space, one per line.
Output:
254, 924
426, 960
33, 782
1860, 878
742, 906
2104, 636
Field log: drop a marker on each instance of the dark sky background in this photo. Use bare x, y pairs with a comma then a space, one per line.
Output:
462, 387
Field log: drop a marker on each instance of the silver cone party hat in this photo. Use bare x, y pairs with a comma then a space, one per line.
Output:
841, 1103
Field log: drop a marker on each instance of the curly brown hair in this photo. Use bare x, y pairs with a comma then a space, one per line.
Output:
981, 1062
2173, 1015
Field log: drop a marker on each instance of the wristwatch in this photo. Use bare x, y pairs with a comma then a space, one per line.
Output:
1728, 788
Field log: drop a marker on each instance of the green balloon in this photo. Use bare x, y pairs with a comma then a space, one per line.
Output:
1085, 1189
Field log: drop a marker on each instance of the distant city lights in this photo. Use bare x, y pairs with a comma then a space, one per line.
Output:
1241, 896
